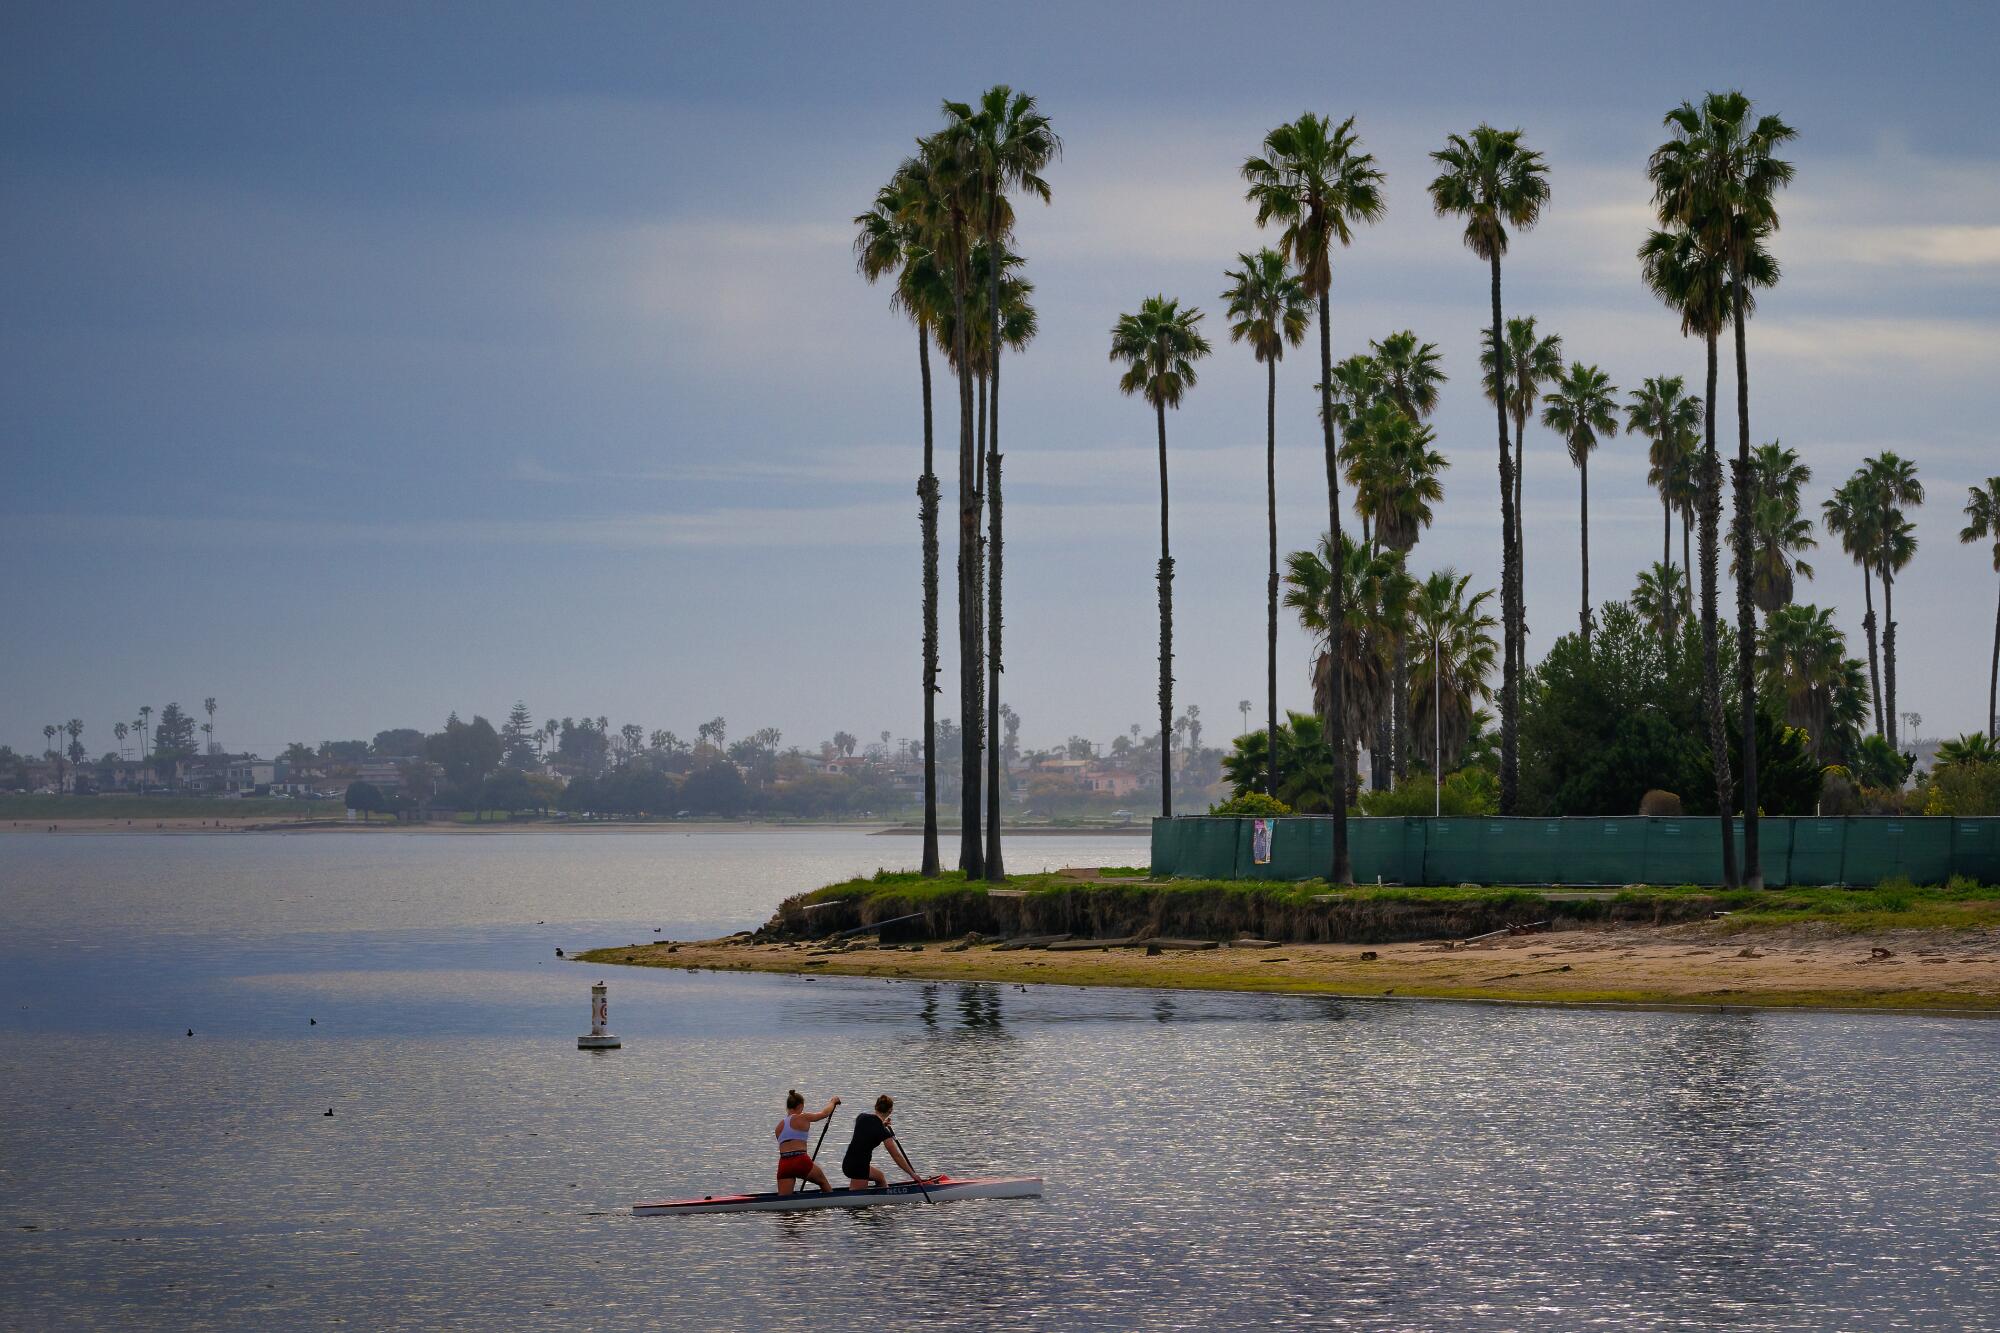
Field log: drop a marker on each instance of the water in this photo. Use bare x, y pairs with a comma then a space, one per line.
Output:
1212, 1160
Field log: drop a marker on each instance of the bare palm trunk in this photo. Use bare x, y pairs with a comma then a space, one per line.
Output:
1889, 655
927, 509
1400, 706
1711, 666
1166, 581
1271, 580
1868, 627
1520, 548
971, 855
1667, 565
1746, 611
1583, 475
1510, 675
1342, 870
1993, 682
996, 871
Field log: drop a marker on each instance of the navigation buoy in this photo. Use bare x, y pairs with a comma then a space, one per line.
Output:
598, 1038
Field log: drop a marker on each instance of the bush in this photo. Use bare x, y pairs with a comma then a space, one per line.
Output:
1468, 792
1968, 787
1661, 804
1251, 803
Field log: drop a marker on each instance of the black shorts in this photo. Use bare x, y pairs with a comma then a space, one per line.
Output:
855, 1168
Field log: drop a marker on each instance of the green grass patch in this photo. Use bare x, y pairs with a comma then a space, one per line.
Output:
1123, 872
1894, 904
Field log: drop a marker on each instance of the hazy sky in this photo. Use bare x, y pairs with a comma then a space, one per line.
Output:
362, 363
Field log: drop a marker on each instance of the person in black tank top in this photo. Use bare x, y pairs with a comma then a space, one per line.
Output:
871, 1131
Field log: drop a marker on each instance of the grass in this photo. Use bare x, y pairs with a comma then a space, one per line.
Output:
20, 805
910, 886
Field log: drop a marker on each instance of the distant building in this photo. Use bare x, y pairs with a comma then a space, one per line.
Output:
384, 775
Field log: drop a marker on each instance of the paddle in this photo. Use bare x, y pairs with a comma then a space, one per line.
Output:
919, 1180
824, 1126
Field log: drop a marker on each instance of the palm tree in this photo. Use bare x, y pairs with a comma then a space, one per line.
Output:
1314, 179
948, 212
1529, 363
1719, 176
1582, 406
1495, 181
1849, 515
889, 238
1661, 599
209, 730
1454, 657
1396, 478
1268, 309
54, 752
74, 728
1159, 347
1804, 659
1779, 530
1982, 523
121, 731
1975, 747
145, 729
1011, 142
1370, 592
1661, 410
1410, 374
1889, 482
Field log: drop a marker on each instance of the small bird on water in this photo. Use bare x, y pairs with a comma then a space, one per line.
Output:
329, 1111
312, 1022
559, 953
190, 1032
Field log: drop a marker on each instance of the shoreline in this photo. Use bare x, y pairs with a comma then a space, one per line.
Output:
210, 824
1701, 965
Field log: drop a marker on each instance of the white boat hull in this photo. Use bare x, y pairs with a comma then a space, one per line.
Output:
934, 1191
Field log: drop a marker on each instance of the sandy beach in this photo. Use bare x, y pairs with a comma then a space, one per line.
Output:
1698, 964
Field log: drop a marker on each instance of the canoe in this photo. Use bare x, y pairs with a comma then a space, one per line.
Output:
938, 1189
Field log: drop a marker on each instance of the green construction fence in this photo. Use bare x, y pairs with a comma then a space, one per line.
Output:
1856, 849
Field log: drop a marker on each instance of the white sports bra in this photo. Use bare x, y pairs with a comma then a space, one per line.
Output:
788, 1134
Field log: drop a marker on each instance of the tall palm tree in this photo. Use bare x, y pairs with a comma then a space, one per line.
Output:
209, 704
1454, 657
74, 728
1269, 309
54, 751
949, 210
1159, 346
1495, 181
1582, 406
1779, 530
1982, 523
1803, 658
121, 731
1529, 361
1012, 142
1850, 516
145, 729
1889, 482
1719, 175
1662, 410
1314, 179
889, 239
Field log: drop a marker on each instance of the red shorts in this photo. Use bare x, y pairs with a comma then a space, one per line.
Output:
794, 1166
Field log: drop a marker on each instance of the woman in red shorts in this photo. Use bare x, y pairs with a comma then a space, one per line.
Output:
794, 1162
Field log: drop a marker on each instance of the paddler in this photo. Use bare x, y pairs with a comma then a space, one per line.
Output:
794, 1162
871, 1131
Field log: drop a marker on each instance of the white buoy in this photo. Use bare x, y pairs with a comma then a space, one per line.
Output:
599, 1037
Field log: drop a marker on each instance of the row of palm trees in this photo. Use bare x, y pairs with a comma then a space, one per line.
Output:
941, 229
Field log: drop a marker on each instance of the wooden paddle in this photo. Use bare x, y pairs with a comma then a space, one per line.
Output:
824, 1126
919, 1179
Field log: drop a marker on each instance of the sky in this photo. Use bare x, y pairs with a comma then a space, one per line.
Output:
361, 363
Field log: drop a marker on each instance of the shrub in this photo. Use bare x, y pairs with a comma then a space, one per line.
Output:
1254, 803
1468, 792
1663, 804
1967, 787
1837, 793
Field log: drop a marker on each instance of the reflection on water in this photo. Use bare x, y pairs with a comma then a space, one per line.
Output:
1211, 1160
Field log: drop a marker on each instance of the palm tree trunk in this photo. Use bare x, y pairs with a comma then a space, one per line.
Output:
1711, 666
1667, 565
1166, 581
927, 509
1271, 581
1342, 870
1993, 682
1520, 550
1583, 475
1889, 655
971, 855
1400, 706
1868, 628
1746, 610
996, 871
1510, 675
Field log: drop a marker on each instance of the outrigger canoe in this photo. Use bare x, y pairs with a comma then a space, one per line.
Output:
936, 1189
